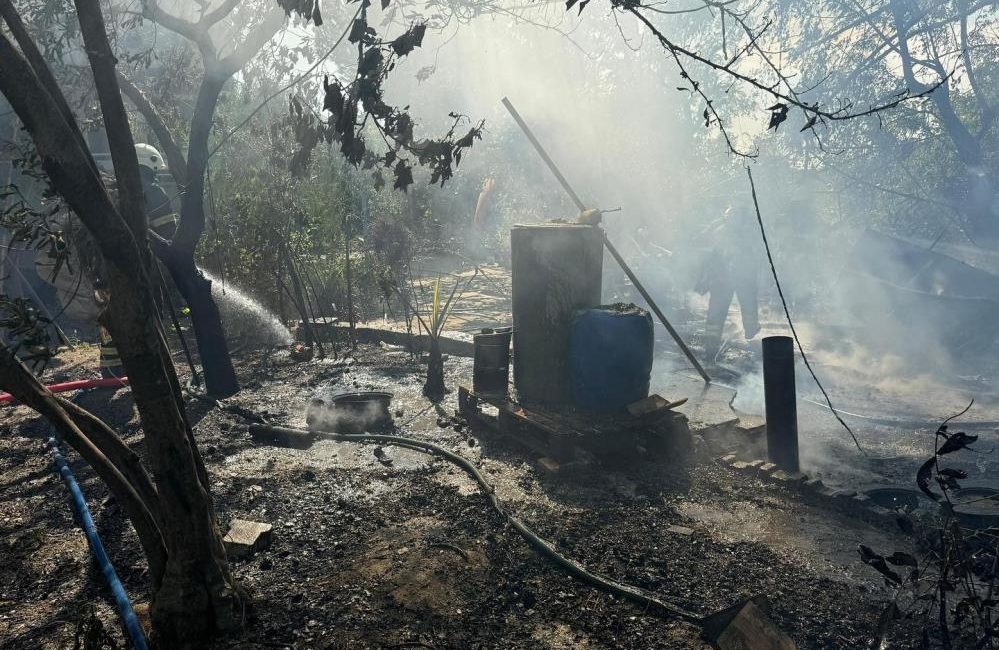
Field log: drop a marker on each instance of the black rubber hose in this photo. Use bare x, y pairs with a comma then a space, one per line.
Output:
645, 598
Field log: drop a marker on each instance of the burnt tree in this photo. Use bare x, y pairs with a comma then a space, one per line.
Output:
193, 591
190, 170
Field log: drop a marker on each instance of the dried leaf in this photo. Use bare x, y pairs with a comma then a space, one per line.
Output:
878, 563
403, 175
959, 440
923, 477
778, 115
409, 41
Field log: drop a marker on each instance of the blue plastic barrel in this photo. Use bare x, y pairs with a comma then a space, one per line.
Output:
610, 356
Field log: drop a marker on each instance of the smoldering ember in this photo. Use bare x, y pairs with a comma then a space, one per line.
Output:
489, 324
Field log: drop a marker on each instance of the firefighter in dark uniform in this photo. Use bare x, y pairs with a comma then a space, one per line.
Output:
162, 221
730, 270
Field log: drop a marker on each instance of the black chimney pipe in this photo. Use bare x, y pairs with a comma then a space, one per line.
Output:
781, 402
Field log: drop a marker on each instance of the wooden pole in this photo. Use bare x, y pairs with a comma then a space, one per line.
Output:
655, 308
610, 247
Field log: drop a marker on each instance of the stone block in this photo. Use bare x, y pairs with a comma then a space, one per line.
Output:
752, 629
824, 492
768, 468
789, 478
680, 530
246, 537
751, 426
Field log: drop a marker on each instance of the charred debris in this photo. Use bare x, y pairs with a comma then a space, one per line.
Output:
480, 325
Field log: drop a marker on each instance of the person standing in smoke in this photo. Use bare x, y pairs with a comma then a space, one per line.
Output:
162, 221
730, 269
481, 219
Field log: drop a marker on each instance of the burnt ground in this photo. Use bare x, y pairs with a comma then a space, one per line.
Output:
369, 555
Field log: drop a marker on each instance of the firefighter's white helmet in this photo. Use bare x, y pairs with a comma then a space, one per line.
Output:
149, 156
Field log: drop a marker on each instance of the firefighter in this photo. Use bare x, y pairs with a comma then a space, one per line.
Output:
730, 270
162, 220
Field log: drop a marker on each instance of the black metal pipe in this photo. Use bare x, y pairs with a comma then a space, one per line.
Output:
781, 402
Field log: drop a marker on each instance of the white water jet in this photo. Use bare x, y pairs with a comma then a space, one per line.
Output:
243, 317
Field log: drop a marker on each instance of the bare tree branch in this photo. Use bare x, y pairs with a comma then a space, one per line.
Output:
172, 151
218, 13
252, 42
194, 32
126, 165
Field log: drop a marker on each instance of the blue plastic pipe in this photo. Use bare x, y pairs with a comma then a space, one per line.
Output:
97, 549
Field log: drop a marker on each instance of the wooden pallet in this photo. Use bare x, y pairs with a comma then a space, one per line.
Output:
561, 435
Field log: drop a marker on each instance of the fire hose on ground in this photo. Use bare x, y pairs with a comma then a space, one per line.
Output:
124, 606
82, 384
642, 597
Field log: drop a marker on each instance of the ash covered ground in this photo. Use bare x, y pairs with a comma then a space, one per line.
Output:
403, 551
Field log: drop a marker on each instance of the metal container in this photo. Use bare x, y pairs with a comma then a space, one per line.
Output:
977, 506
350, 412
557, 270
896, 498
491, 368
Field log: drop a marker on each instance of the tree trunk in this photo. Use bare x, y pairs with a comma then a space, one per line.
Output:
220, 377
434, 389
125, 478
197, 595
216, 364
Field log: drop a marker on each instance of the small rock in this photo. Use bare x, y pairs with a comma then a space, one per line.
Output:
752, 628
789, 477
247, 537
680, 530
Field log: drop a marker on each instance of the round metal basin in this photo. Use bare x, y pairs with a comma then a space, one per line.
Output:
350, 412
977, 507
894, 498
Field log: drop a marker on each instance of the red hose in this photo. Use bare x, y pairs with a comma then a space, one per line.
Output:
82, 384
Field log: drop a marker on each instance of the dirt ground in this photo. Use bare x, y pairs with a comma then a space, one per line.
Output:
406, 553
